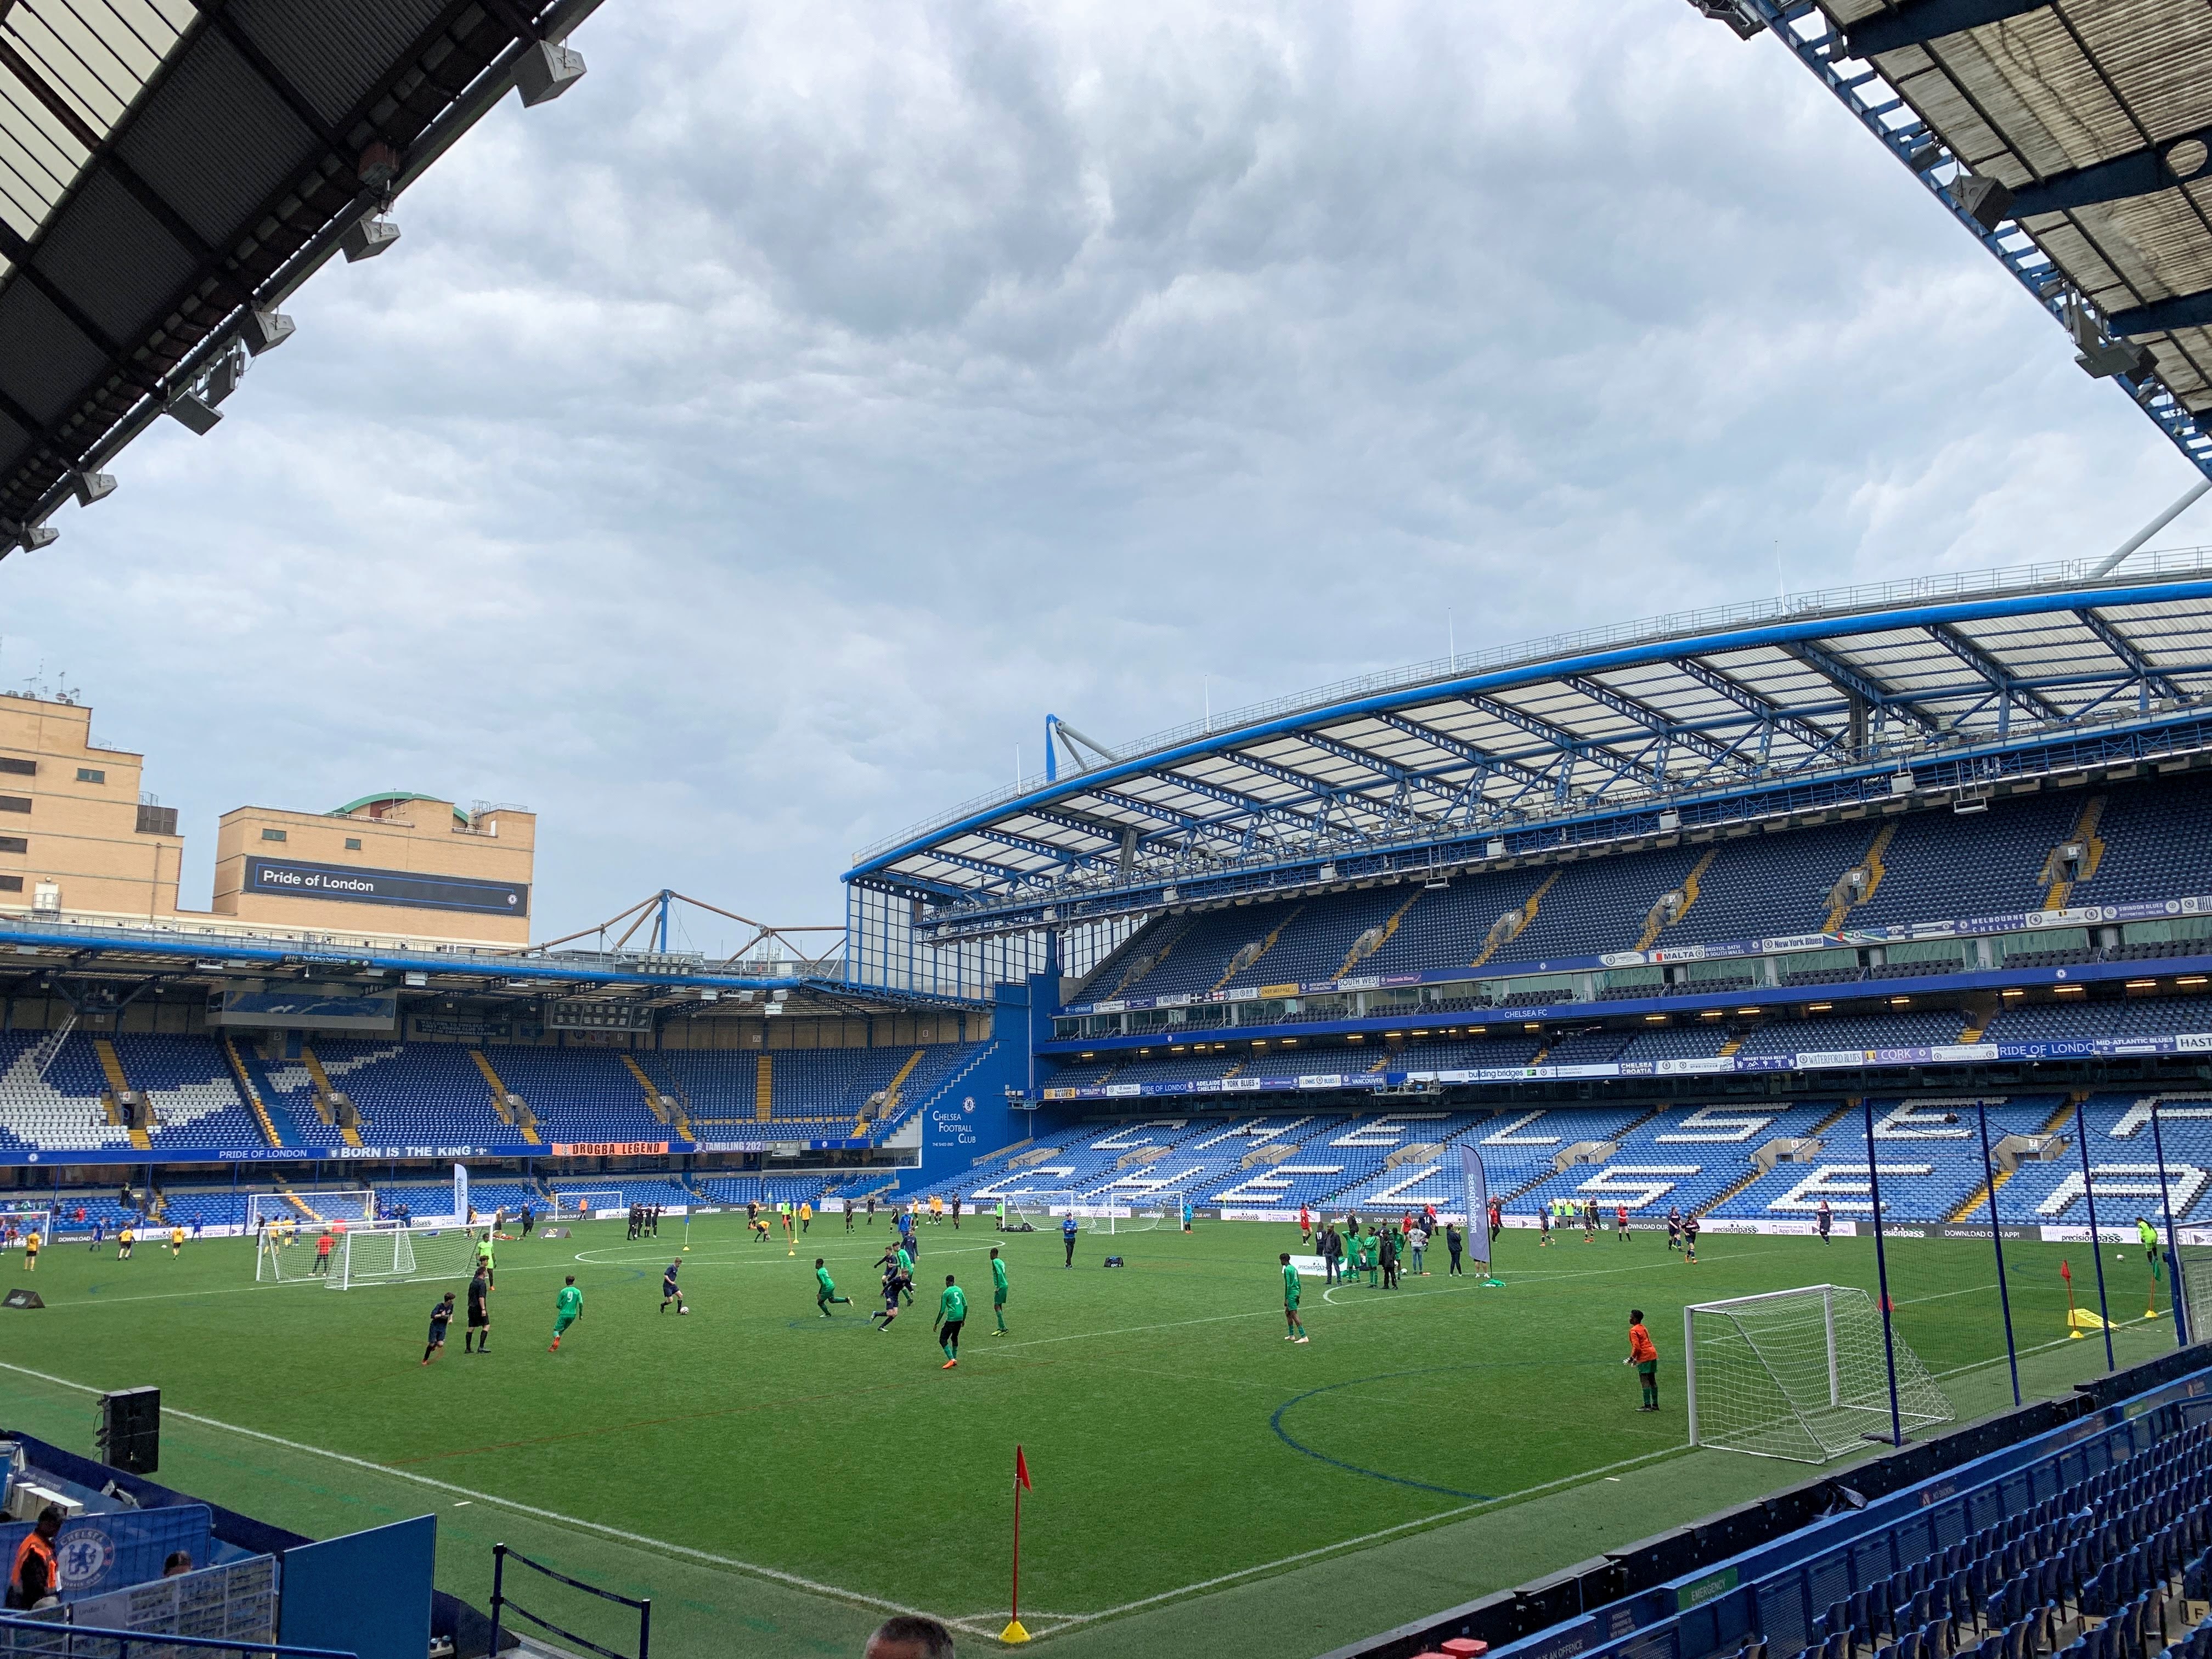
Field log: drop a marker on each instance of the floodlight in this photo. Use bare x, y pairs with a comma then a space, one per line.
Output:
222, 379
92, 486
264, 331
194, 411
367, 237
30, 537
546, 71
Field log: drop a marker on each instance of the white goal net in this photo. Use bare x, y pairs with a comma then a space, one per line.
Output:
17, 1227
351, 1205
1133, 1213
1799, 1375
583, 1205
372, 1253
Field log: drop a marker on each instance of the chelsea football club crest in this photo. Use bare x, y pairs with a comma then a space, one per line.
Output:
82, 1561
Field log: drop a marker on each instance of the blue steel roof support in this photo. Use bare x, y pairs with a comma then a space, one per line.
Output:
2118, 644
1993, 673
1833, 668
2161, 316
1025, 844
1504, 765
1671, 731
1596, 751
1773, 716
981, 866
1824, 52
2138, 172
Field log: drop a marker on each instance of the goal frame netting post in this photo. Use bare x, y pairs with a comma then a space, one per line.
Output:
400, 1252
1134, 1213
27, 1221
571, 1206
1809, 1376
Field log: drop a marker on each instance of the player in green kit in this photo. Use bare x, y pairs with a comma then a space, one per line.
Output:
568, 1309
1297, 1330
952, 1315
827, 1294
906, 1272
998, 1292
484, 1257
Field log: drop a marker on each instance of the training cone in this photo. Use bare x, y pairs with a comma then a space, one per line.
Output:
1013, 1633
2083, 1320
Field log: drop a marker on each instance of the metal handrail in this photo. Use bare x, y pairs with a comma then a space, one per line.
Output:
1683, 624
62, 1629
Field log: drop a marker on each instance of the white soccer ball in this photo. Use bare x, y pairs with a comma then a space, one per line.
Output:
681, 1308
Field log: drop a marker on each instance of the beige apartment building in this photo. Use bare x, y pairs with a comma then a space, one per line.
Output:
78, 841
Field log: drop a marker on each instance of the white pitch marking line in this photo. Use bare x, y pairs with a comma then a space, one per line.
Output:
555, 1516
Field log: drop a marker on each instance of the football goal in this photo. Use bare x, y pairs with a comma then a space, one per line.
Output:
583, 1205
351, 1205
16, 1227
373, 1253
1799, 1375
1133, 1213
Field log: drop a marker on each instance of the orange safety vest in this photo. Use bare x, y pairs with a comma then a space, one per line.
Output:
34, 1544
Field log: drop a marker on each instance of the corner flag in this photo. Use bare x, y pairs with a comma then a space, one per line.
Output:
1014, 1633
1478, 1205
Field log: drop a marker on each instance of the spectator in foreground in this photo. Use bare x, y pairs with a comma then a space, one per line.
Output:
909, 1636
178, 1563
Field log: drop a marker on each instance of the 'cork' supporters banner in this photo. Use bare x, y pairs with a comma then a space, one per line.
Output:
609, 1148
281, 877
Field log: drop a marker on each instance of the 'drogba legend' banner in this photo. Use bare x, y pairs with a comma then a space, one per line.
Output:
355, 886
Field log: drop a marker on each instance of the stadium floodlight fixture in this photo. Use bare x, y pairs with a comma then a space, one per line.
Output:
368, 236
91, 485
30, 537
546, 71
193, 411
222, 379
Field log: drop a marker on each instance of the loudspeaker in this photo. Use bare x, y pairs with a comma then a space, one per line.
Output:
130, 1430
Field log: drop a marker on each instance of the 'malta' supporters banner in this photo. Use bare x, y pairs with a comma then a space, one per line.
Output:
1938, 1053
2084, 915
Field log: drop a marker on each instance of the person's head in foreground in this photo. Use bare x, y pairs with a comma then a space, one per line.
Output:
909, 1636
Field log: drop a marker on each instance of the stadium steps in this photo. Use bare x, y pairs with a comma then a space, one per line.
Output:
677, 1119
944, 1086
1543, 1052
255, 1102
1375, 939
764, 1087
2064, 1115
1493, 944
1980, 1011
1983, 1191
1735, 1043
1265, 945
1003, 1152
2085, 831
1832, 1119
521, 1117
347, 1132
1871, 860
299, 1204
1656, 923
1728, 1191
1130, 964
111, 1066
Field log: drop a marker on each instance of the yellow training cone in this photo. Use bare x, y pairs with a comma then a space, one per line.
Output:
1013, 1633
2083, 1320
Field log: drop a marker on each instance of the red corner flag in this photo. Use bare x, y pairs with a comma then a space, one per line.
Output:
2065, 1271
1021, 1469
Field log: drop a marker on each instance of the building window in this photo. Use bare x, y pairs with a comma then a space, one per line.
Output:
11, 884
275, 835
21, 768
353, 844
15, 803
15, 844
90, 774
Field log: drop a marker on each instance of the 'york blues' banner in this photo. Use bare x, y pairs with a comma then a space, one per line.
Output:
284, 878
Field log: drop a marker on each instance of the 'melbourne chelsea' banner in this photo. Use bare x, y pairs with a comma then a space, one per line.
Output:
2085, 915
1938, 1053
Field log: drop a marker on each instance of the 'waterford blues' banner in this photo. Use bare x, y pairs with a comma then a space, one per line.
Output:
282, 877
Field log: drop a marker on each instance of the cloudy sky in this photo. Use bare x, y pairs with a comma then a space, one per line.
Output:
736, 460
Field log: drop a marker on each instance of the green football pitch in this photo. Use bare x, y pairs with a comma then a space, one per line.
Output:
777, 1481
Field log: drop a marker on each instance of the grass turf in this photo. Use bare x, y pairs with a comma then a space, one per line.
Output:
776, 1479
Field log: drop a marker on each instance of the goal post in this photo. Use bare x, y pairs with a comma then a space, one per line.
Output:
351, 1205
16, 1227
1133, 1213
1800, 1375
583, 1204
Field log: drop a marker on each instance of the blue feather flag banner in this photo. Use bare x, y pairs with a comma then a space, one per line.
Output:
1478, 1205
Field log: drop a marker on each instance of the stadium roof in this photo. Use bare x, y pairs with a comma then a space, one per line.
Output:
2071, 139
170, 170
1948, 687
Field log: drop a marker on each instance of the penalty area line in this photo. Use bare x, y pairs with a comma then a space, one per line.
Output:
752, 1568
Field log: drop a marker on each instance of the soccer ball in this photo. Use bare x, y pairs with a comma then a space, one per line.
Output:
681, 1308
